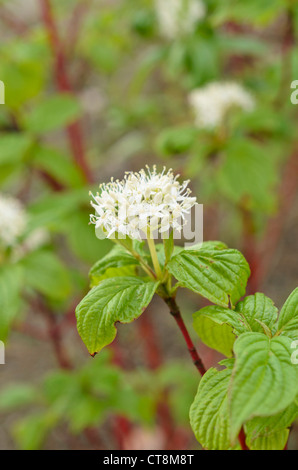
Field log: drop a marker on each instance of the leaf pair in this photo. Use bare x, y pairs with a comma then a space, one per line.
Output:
263, 383
264, 380
220, 275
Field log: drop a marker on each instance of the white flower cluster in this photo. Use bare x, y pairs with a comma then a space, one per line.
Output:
13, 224
178, 17
142, 203
212, 103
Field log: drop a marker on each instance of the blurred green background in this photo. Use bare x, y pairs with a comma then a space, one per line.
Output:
96, 88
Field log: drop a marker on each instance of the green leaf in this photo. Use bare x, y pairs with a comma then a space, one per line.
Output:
117, 258
176, 141
46, 274
30, 432
11, 281
82, 239
212, 325
271, 441
288, 317
53, 113
17, 396
256, 308
209, 417
210, 245
217, 326
248, 174
264, 381
271, 433
218, 275
120, 299
52, 211
13, 147
56, 164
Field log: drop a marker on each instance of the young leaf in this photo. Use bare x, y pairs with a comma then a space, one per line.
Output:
120, 299
46, 274
256, 308
271, 433
209, 417
288, 317
53, 113
11, 280
218, 275
269, 441
213, 324
264, 381
13, 147
58, 165
217, 326
117, 258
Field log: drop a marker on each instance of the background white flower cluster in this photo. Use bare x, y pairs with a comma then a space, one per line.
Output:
212, 102
13, 228
178, 17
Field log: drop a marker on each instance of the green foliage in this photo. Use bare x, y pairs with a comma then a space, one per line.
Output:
220, 275
209, 417
115, 263
11, 283
288, 318
53, 113
116, 299
131, 91
212, 326
264, 381
46, 274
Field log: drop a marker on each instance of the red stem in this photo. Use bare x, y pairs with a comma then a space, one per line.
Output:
242, 439
74, 130
175, 312
250, 249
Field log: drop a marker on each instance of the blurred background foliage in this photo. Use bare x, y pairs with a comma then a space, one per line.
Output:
95, 88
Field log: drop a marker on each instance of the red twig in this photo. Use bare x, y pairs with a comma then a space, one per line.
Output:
242, 439
74, 130
250, 248
175, 312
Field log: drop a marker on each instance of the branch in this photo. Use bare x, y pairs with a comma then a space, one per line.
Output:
175, 312
242, 439
74, 130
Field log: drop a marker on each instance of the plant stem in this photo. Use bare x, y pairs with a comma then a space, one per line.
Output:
144, 265
74, 130
154, 258
242, 439
175, 312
